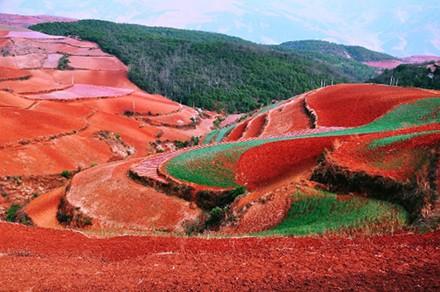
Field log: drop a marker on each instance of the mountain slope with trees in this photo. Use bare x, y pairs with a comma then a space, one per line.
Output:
210, 70
412, 75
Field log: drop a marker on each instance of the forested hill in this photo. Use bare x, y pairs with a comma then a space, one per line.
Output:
414, 75
356, 53
208, 70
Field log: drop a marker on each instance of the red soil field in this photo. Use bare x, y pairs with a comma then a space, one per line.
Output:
399, 262
40, 82
94, 77
31, 35
52, 61
52, 157
351, 105
114, 201
16, 122
13, 73
289, 117
83, 91
29, 61
181, 118
399, 161
255, 126
11, 100
43, 210
237, 132
262, 164
96, 63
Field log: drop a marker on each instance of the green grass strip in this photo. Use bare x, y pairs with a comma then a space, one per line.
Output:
320, 214
398, 138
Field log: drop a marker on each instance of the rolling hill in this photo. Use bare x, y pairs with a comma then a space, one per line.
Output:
214, 71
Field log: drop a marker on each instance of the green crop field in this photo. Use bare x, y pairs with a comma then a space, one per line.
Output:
325, 213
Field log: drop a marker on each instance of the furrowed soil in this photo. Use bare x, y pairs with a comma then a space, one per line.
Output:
42, 259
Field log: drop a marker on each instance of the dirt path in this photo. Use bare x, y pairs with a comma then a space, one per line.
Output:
43, 259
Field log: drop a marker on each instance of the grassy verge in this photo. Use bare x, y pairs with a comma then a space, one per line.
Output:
323, 214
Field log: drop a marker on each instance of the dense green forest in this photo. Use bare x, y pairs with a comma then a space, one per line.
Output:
210, 70
418, 75
356, 53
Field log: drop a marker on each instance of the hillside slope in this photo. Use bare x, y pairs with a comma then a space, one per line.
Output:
425, 75
207, 70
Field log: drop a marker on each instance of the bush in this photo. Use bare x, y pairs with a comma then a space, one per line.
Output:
215, 217
11, 213
67, 174
63, 63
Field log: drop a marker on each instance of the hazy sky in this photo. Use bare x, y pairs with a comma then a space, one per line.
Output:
398, 27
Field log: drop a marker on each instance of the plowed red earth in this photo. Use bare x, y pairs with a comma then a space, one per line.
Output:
114, 201
46, 137
43, 259
255, 127
350, 105
237, 132
262, 164
83, 91
289, 117
12, 73
399, 160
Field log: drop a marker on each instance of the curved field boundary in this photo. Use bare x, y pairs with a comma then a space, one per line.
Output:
290, 117
193, 166
261, 164
255, 126
237, 132
8, 74
352, 105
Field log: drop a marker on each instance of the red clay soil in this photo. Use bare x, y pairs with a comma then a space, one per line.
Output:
28, 61
255, 126
181, 118
237, 132
262, 164
51, 157
289, 117
83, 91
43, 209
13, 73
96, 63
40, 82
31, 259
114, 201
11, 100
399, 161
16, 123
351, 105
93, 77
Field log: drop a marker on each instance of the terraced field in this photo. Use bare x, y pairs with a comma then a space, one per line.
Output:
61, 118
84, 149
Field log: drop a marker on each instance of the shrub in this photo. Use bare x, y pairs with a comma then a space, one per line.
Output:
63, 63
215, 216
67, 174
11, 213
